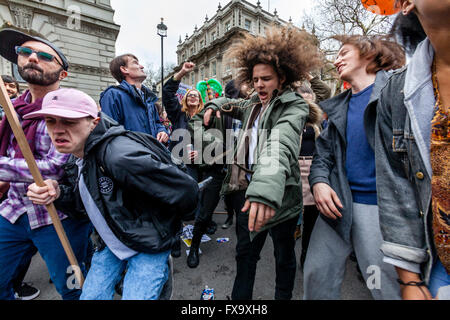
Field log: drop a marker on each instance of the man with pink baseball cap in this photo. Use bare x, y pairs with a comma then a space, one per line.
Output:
67, 103
127, 185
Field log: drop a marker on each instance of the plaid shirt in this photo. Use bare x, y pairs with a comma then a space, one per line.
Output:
15, 171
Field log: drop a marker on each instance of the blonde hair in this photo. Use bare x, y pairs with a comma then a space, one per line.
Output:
184, 104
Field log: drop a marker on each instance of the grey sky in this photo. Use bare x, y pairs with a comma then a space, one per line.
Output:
138, 20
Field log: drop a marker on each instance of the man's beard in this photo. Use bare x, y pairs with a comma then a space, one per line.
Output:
38, 78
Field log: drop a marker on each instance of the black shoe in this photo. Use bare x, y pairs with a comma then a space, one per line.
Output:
193, 258
228, 223
212, 228
176, 250
26, 292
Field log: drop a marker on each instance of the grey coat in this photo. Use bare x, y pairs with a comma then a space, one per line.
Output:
329, 159
402, 152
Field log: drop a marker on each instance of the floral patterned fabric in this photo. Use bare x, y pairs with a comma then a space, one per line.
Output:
440, 182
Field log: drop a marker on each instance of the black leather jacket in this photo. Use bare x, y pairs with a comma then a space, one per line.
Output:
141, 197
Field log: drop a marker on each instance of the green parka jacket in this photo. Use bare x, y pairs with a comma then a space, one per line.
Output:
275, 174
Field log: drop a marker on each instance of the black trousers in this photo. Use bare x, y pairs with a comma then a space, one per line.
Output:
310, 214
248, 255
210, 198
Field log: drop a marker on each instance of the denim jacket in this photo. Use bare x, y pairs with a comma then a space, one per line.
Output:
402, 153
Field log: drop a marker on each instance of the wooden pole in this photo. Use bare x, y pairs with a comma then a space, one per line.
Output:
16, 127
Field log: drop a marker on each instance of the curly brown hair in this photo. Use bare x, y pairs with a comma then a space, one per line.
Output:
292, 53
383, 51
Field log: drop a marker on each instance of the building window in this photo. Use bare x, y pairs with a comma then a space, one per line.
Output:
214, 68
248, 25
202, 74
227, 26
192, 51
202, 44
213, 36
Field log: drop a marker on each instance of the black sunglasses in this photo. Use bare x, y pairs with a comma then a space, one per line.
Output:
42, 56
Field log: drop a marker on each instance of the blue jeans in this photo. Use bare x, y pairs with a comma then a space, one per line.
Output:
144, 280
18, 242
438, 278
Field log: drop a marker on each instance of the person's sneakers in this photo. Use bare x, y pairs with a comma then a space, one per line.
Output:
228, 223
26, 292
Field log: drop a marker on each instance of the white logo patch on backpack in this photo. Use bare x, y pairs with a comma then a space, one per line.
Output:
106, 185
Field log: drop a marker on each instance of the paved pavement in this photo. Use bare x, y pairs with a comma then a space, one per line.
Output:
216, 270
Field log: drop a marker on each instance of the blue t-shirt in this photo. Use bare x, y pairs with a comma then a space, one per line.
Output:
360, 158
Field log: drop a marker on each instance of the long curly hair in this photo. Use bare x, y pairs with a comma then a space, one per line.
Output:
184, 105
292, 53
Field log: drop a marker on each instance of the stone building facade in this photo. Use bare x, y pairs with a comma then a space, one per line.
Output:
84, 30
208, 45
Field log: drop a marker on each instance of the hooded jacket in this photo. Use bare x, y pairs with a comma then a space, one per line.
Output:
141, 197
124, 104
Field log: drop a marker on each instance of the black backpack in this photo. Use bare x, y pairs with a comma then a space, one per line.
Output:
158, 152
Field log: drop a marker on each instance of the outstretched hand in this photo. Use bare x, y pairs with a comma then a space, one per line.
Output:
259, 214
207, 117
327, 200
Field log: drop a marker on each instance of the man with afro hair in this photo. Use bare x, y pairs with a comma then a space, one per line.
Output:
264, 172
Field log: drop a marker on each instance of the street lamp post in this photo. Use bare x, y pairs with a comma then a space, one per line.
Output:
162, 32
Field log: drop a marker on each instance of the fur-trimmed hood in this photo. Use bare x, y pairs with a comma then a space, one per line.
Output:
315, 114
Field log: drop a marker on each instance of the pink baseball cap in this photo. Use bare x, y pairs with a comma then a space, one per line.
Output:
66, 103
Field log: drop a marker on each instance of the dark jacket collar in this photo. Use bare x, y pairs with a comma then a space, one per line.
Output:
131, 90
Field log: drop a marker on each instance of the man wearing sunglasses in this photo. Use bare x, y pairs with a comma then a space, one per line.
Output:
23, 225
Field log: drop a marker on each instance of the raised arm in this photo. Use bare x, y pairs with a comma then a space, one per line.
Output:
170, 88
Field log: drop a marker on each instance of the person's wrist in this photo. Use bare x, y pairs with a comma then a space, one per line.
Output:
408, 276
412, 283
178, 76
